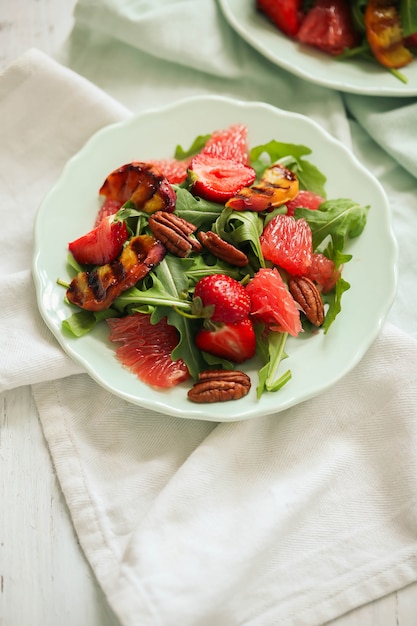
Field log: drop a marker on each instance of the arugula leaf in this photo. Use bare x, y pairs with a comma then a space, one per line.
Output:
213, 360
408, 15
81, 322
334, 300
166, 285
290, 155
364, 51
272, 351
73, 264
239, 227
276, 150
166, 291
338, 257
197, 145
201, 265
340, 219
172, 276
199, 212
358, 14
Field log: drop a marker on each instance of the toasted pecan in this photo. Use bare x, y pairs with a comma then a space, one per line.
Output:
308, 297
175, 233
219, 386
223, 249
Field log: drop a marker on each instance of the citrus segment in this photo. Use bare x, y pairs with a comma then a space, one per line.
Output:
323, 272
272, 303
230, 143
304, 199
288, 243
146, 349
109, 207
174, 170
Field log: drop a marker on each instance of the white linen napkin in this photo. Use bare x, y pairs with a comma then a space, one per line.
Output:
44, 128
291, 519
391, 122
193, 59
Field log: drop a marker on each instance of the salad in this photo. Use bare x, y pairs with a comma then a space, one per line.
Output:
384, 31
201, 262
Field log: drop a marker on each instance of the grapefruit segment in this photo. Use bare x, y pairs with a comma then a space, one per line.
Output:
174, 170
288, 243
272, 303
323, 272
306, 200
109, 207
230, 143
146, 349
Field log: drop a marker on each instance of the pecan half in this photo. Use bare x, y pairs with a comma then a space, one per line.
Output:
175, 233
219, 386
222, 249
308, 297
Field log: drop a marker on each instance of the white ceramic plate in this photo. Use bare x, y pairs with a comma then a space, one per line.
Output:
354, 76
316, 363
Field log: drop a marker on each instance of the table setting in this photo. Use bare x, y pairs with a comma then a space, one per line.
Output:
294, 509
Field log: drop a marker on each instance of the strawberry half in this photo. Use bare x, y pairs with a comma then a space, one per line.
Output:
218, 179
285, 14
229, 298
233, 342
102, 244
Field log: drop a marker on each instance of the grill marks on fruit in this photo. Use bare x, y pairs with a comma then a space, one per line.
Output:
219, 170
276, 186
143, 184
96, 290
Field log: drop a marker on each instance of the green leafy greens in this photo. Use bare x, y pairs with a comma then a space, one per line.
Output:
167, 290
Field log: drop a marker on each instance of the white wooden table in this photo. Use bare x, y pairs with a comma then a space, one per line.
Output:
44, 577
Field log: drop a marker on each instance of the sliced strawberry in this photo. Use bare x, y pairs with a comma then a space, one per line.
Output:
101, 245
329, 26
229, 298
285, 14
233, 342
217, 179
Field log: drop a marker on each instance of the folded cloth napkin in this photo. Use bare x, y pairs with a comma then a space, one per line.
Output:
31, 159
390, 123
290, 519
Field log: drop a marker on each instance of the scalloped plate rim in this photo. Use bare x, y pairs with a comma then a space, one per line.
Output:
354, 76
88, 350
